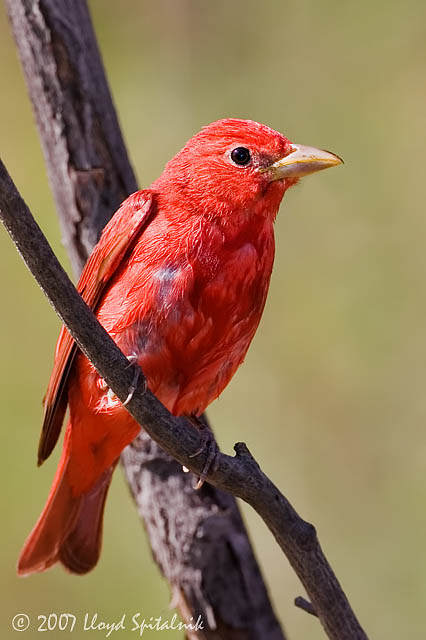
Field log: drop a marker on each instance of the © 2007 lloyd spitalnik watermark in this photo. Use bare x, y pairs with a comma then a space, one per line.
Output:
93, 622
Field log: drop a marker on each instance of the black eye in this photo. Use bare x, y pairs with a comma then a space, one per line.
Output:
241, 156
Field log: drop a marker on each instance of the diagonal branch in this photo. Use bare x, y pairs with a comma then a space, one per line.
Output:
198, 538
239, 475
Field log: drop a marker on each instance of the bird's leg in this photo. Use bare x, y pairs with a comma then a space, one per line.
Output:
208, 444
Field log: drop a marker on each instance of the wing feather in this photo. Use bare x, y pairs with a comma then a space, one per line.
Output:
116, 241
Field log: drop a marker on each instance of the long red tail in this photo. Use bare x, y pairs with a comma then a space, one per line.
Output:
69, 529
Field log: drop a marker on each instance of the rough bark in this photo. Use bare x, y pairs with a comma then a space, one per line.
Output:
208, 560
239, 475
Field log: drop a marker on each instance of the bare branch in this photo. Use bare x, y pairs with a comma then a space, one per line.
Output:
240, 475
89, 171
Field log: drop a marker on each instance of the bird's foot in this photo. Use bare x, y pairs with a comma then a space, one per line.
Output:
133, 358
110, 399
208, 445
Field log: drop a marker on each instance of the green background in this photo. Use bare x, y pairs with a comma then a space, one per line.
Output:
331, 398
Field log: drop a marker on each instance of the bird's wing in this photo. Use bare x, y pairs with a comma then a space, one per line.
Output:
116, 242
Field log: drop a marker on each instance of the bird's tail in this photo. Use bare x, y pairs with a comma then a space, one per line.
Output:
69, 529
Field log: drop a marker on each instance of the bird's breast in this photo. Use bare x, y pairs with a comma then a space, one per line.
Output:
190, 311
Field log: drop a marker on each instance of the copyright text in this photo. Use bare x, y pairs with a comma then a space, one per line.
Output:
93, 622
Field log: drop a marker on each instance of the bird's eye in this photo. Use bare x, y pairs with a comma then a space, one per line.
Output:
241, 156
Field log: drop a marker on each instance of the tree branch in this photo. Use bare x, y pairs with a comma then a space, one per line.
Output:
90, 176
304, 604
239, 475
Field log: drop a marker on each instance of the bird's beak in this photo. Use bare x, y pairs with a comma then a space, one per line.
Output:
301, 161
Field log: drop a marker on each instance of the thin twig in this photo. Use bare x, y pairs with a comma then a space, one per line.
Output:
304, 604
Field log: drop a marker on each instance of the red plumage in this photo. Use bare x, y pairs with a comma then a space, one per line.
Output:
179, 279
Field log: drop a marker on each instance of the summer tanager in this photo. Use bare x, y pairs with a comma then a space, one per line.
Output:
179, 279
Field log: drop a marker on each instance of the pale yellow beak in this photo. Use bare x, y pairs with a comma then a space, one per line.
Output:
302, 161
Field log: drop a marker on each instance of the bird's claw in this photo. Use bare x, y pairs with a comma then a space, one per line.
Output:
208, 445
111, 398
132, 358
133, 386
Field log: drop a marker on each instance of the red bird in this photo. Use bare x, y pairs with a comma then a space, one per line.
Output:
179, 279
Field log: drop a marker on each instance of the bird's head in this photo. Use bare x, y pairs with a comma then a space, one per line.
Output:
238, 167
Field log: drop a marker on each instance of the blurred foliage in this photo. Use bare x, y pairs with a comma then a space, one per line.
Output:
331, 397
